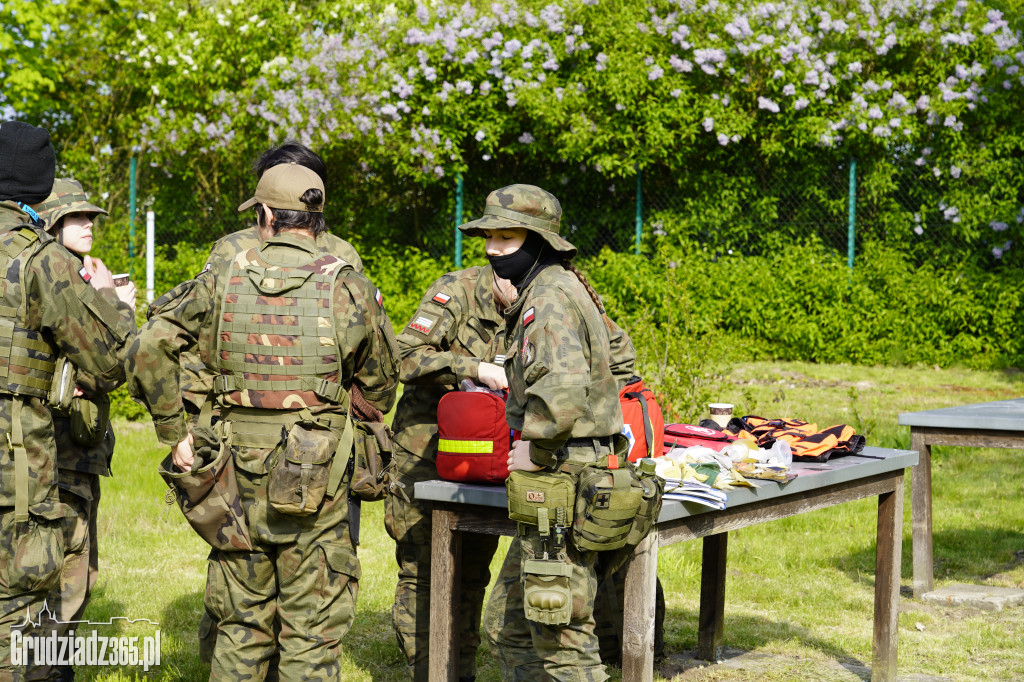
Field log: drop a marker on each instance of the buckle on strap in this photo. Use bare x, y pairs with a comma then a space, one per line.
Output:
223, 383
327, 390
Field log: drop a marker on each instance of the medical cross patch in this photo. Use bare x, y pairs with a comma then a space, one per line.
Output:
84, 273
442, 298
528, 317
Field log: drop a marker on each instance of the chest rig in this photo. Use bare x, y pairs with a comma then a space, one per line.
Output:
27, 359
276, 347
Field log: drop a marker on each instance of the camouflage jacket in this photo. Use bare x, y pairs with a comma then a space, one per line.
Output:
189, 316
90, 327
622, 361
456, 326
558, 364
197, 378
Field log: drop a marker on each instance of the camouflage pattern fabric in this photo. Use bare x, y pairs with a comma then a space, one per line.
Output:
91, 328
561, 390
456, 326
197, 379
522, 206
67, 197
283, 608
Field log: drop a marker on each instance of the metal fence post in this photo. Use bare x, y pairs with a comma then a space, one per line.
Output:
131, 216
458, 221
851, 222
150, 253
639, 208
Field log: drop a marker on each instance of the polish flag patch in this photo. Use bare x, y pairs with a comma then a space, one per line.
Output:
528, 317
442, 298
84, 273
379, 297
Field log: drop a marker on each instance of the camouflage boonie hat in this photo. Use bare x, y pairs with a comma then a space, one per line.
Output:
522, 206
66, 198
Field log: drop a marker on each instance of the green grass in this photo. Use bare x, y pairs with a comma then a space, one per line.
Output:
800, 589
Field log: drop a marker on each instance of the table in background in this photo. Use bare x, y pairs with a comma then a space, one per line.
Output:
998, 424
466, 508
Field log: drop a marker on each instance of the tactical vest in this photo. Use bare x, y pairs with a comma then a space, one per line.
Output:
27, 358
276, 347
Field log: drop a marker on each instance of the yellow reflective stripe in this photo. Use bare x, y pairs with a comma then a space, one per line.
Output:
473, 447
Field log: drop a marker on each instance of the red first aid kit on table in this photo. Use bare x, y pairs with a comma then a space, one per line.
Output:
688, 435
473, 438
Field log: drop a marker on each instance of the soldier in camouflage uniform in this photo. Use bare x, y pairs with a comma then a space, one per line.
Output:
293, 595
563, 398
84, 437
456, 333
51, 304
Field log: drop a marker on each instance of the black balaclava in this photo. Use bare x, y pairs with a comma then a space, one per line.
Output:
523, 264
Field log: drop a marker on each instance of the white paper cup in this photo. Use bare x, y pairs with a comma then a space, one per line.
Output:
721, 413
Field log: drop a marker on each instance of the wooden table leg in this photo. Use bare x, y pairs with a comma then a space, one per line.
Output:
638, 611
445, 585
921, 513
712, 597
888, 554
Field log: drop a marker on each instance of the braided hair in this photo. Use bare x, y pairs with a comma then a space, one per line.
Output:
568, 265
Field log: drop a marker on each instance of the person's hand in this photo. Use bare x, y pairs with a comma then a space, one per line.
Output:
182, 455
78, 392
519, 457
126, 293
100, 274
492, 376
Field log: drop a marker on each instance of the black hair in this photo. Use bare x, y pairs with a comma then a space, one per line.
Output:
291, 152
306, 220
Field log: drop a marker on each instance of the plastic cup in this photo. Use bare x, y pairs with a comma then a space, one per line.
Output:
721, 413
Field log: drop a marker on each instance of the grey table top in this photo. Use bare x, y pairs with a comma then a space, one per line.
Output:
809, 476
1003, 415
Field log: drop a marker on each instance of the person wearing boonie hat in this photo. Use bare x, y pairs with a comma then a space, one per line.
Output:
290, 333
564, 399
51, 304
82, 430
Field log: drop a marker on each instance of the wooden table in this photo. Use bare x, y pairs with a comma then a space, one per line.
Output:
981, 425
464, 508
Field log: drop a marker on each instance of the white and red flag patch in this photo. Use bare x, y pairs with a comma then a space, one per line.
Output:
84, 273
528, 317
442, 298
380, 298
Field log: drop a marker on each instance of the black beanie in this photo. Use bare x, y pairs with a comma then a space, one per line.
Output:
27, 163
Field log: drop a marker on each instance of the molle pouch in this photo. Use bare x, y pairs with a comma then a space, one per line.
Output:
607, 502
546, 594
208, 494
62, 386
299, 469
373, 468
89, 419
650, 504
540, 498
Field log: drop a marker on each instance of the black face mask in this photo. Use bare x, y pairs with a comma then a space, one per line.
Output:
515, 266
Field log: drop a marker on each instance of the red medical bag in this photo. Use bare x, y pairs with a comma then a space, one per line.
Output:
642, 414
473, 439
687, 435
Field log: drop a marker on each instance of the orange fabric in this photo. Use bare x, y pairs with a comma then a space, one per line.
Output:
804, 438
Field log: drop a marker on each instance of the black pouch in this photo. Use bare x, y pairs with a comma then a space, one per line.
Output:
300, 467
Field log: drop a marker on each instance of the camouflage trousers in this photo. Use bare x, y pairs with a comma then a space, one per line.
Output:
608, 610
531, 651
31, 556
409, 523
281, 610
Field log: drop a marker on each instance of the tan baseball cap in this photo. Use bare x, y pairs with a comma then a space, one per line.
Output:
283, 186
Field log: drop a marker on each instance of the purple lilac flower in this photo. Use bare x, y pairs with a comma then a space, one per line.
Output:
655, 73
765, 103
527, 138
998, 226
709, 124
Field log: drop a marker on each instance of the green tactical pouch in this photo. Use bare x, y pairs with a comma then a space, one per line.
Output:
646, 514
208, 494
372, 471
607, 503
539, 498
62, 386
89, 419
546, 593
299, 468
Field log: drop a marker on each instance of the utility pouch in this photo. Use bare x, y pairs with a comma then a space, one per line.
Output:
546, 593
646, 514
62, 386
607, 503
540, 498
208, 494
372, 467
299, 468
89, 419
